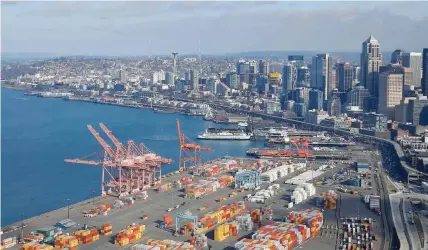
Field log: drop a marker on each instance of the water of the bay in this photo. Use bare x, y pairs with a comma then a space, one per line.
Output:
39, 133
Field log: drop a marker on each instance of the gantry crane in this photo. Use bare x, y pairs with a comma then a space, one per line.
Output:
128, 169
302, 146
189, 150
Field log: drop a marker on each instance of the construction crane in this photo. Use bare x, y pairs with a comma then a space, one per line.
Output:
189, 150
128, 169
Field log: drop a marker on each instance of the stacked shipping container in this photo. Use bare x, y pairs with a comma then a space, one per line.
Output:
87, 236
65, 241
225, 230
164, 245
130, 235
36, 246
206, 187
106, 229
327, 200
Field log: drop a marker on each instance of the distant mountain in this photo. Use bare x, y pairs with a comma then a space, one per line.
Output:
11, 57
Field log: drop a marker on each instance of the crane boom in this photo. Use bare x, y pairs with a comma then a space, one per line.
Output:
115, 141
103, 143
180, 135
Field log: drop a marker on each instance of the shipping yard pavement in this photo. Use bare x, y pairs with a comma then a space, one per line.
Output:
157, 204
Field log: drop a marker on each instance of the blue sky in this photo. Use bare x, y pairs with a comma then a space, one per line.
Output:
125, 28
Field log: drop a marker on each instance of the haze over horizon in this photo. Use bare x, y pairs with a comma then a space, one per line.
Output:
143, 28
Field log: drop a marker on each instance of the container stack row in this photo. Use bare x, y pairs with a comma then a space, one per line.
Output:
250, 244
256, 216
8, 242
245, 222
289, 235
225, 230
130, 235
65, 241
311, 218
209, 220
328, 200
206, 187
218, 167
106, 229
87, 236
163, 245
36, 246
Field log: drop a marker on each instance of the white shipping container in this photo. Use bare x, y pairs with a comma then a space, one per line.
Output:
145, 247
290, 205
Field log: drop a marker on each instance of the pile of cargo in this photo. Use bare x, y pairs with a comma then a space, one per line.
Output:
106, 229
309, 188
245, 222
209, 220
218, 167
8, 242
262, 195
327, 200
276, 173
187, 180
130, 235
225, 230
302, 192
256, 216
311, 218
87, 236
250, 244
65, 241
165, 187
163, 245
200, 241
206, 187
288, 235
36, 246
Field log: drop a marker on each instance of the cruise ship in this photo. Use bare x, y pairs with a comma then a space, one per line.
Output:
224, 134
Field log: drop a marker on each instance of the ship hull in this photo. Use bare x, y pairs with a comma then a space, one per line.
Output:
225, 138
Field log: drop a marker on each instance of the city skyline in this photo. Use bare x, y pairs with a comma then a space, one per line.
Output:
145, 28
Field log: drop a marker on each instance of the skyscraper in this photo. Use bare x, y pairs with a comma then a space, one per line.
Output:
289, 77
232, 80
356, 96
390, 89
316, 99
263, 67
334, 106
194, 78
396, 56
321, 73
371, 60
303, 76
345, 76
122, 76
425, 72
413, 60
298, 59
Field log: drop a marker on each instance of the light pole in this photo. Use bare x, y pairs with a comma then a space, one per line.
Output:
68, 208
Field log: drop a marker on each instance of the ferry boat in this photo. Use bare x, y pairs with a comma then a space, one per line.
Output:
275, 136
242, 124
224, 134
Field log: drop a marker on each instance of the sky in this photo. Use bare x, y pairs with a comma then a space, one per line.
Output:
150, 28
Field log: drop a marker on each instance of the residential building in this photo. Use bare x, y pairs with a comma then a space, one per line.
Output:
169, 78
316, 99
345, 76
371, 60
300, 94
263, 67
321, 71
122, 76
413, 60
390, 89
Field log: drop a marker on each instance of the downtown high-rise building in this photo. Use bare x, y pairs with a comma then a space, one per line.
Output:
413, 60
263, 67
321, 74
194, 80
303, 76
390, 89
334, 106
425, 72
344, 76
396, 56
298, 59
289, 77
316, 99
122, 76
371, 60
232, 80
356, 96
